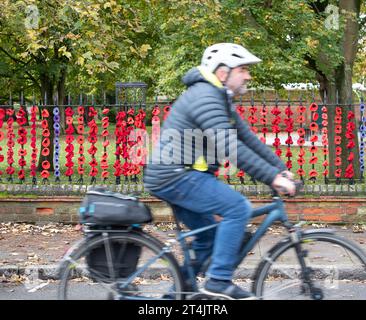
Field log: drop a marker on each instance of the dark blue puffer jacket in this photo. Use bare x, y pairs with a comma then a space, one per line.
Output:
206, 105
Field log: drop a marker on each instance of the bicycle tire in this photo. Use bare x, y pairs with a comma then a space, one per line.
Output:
75, 273
344, 280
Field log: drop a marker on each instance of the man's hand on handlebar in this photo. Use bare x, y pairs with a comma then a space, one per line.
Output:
283, 185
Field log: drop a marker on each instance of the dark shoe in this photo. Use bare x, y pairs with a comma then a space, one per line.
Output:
226, 289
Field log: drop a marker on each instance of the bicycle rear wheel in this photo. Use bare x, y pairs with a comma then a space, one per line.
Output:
337, 270
81, 281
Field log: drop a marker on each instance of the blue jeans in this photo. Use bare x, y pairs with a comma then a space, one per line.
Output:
196, 198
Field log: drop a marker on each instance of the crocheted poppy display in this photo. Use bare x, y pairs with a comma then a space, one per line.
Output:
155, 126
2, 117
121, 139
92, 138
22, 140
80, 141
69, 112
240, 110
10, 144
301, 140
34, 155
140, 151
56, 143
314, 138
276, 129
105, 133
45, 145
362, 137
350, 136
263, 121
324, 140
289, 122
337, 142
252, 119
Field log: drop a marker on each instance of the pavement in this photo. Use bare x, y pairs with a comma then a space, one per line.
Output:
25, 248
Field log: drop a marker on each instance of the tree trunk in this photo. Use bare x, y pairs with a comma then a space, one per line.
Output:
338, 87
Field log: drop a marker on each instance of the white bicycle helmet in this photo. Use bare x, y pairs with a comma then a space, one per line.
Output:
229, 54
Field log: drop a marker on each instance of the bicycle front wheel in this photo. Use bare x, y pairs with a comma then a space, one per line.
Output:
337, 269
156, 274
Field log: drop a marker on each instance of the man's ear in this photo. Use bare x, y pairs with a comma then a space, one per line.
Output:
222, 73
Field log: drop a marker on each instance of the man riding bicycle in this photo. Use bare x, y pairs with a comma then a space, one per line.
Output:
184, 173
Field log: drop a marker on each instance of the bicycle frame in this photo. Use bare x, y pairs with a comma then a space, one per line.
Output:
275, 212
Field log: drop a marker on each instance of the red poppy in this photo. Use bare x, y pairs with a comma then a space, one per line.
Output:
301, 109
338, 151
288, 153
338, 173
81, 149
301, 141
22, 140
93, 172
314, 126
81, 110
81, 170
313, 107
80, 120
22, 162
22, 152
46, 142
324, 123
325, 172
21, 174
351, 144
301, 132
315, 116
105, 125
314, 138
45, 174
46, 165
46, 133
350, 135
337, 140
325, 151
156, 111
351, 126
10, 112
69, 148
69, 139
263, 121
325, 163
300, 119
105, 111
131, 111
338, 119
92, 150
155, 119
105, 174
351, 156
44, 124
45, 113
21, 121
264, 130
338, 161
324, 109
69, 120
105, 143
80, 129
313, 149
301, 161
81, 160
350, 115
289, 140
313, 160
313, 173
130, 120
338, 111
324, 131
338, 129
92, 139
69, 112
80, 139
300, 172
45, 152
252, 119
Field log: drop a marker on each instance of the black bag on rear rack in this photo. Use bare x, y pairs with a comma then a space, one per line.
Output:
103, 210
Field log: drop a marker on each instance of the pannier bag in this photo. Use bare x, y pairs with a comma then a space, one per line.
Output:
125, 257
105, 208
102, 208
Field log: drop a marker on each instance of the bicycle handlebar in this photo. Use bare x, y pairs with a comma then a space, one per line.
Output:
298, 185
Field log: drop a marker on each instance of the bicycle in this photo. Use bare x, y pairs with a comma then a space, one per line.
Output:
158, 271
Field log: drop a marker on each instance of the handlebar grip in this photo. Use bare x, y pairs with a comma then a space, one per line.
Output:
298, 186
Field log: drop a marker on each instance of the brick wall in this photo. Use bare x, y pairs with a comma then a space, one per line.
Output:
320, 209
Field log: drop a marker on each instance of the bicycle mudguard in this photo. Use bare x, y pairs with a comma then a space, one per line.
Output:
325, 230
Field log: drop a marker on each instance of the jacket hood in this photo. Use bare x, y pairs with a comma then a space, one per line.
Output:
201, 74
